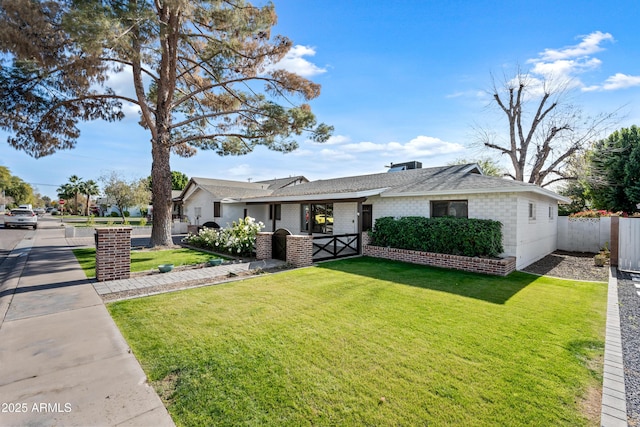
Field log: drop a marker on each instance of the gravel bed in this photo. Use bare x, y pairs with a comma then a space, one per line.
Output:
629, 303
570, 265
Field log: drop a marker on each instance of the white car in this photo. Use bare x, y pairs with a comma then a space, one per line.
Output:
21, 218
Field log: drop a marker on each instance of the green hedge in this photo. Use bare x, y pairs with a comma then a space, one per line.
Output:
447, 235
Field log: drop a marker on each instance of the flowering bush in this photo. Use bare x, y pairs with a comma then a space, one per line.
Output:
239, 240
594, 214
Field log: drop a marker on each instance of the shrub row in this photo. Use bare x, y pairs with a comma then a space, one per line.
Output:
456, 236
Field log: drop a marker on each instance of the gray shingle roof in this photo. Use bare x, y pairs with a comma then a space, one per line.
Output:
276, 183
455, 179
385, 180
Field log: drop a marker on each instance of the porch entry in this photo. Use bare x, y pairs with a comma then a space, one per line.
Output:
279, 244
629, 244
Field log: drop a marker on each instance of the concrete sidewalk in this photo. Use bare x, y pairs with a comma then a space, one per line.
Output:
63, 361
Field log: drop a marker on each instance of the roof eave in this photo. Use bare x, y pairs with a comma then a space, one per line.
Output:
314, 197
536, 190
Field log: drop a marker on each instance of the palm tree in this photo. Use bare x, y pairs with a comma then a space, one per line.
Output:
65, 191
75, 185
89, 188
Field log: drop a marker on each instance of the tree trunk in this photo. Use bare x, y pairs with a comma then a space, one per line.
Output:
161, 193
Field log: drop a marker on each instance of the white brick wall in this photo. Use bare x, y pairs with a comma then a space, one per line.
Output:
290, 218
345, 218
535, 238
230, 211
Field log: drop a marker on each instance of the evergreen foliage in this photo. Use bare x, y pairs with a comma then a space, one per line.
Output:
447, 235
614, 177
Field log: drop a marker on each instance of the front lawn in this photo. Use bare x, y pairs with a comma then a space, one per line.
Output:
145, 260
373, 342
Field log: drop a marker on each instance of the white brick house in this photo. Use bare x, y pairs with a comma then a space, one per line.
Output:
351, 205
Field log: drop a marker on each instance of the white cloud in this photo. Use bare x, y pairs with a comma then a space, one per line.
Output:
421, 146
565, 67
589, 45
621, 81
335, 140
295, 62
424, 146
336, 155
131, 110
566, 63
244, 170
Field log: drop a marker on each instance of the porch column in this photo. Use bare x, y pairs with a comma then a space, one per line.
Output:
272, 211
359, 215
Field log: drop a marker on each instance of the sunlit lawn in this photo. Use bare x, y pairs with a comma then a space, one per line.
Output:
145, 260
372, 342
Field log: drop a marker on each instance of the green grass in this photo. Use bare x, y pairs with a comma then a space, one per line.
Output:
371, 342
145, 260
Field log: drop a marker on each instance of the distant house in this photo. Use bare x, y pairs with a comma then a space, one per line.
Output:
350, 205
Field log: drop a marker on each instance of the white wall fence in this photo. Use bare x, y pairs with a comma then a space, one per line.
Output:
583, 234
71, 232
629, 244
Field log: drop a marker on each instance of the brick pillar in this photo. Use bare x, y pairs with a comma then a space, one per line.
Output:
263, 245
615, 238
113, 253
300, 250
366, 239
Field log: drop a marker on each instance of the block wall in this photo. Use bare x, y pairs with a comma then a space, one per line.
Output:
113, 253
498, 267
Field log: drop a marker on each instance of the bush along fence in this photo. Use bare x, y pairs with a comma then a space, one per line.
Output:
465, 244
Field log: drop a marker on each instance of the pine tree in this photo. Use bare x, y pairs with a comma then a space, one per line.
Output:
211, 64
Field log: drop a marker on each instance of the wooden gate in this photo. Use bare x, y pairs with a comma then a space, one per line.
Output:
279, 244
629, 244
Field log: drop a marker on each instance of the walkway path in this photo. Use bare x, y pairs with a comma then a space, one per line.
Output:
63, 361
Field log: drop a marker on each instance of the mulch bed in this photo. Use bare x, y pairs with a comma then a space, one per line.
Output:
570, 265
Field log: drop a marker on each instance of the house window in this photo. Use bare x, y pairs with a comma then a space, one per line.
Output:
454, 208
217, 209
367, 217
275, 212
319, 218
532, 211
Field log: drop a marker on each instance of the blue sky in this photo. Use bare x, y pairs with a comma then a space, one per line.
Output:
403, 80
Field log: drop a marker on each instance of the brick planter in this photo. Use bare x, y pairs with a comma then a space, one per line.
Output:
498, 267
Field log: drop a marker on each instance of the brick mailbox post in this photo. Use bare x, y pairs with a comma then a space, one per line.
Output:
113, 253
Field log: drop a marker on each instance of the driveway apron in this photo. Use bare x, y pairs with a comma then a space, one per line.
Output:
63, 361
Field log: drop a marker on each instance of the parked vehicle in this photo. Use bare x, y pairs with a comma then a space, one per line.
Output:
21, 218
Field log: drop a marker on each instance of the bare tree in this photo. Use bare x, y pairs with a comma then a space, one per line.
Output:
544, 128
